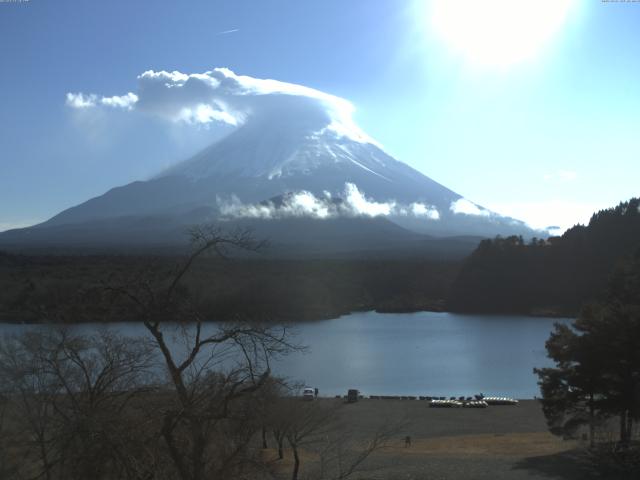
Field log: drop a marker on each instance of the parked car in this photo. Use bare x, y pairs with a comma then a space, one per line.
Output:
308, 393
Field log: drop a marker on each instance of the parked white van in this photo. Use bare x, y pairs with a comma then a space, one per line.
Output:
308, 393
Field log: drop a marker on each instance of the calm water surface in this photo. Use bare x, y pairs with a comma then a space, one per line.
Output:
423, 353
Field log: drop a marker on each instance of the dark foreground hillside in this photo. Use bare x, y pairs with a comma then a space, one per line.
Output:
554, 276
498, 443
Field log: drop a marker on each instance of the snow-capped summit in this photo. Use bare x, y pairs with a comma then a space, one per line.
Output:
264, 150
282, 130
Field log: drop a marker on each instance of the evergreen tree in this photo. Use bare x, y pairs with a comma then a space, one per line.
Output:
597, 371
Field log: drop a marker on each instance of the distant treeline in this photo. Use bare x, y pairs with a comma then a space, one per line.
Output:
553, 276
269, 290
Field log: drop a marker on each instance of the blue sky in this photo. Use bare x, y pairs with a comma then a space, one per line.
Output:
541, 127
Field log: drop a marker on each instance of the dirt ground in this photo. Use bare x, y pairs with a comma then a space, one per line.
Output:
500, 442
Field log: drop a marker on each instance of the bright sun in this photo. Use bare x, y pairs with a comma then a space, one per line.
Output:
498, 32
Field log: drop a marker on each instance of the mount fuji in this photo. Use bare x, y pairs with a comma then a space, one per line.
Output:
295, 168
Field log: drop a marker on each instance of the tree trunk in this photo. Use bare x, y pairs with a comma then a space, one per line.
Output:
45, 458
296, 463
591, 421
264, 438
197, 451
623, 426
279, 440
174, 452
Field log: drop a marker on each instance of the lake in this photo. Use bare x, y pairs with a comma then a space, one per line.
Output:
424, 353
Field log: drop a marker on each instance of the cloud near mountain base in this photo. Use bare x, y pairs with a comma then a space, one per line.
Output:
303, 204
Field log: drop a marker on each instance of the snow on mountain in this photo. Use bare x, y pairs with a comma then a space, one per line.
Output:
265, 149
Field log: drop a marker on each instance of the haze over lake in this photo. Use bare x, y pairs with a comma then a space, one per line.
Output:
424, 353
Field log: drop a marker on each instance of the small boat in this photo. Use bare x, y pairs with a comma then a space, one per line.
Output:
500, 400
475, 404
445, 404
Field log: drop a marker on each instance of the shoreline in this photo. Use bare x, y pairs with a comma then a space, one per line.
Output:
331, 316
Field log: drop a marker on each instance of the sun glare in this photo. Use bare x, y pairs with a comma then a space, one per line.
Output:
497, 32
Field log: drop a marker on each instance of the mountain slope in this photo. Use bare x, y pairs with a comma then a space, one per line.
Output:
218, 173
290, 142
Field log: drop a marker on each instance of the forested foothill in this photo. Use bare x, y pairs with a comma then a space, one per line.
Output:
553, 276
278, 290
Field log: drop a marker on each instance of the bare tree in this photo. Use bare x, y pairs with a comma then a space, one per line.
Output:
70, 396
269, 397
277, 409
187, 402
278, 422
214, 371
7, 468
308, 421
30, 396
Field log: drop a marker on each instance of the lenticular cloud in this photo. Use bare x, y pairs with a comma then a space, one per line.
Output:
352, 203
221, 96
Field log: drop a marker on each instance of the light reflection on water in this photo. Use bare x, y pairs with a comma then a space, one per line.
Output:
425, 353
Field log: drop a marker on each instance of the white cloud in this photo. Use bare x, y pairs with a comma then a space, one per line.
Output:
235, 208
80, 100
465, 207
219, 95
350, 203
307, 203
422, 210
300, 204
124, 101
205, 114
356, 200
